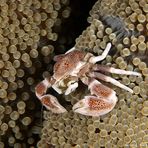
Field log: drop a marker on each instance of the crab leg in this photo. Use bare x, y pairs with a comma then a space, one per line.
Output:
72, 49
101, 57
71, 88
109, 79
101, 101
114, 70
42, 87
49, 101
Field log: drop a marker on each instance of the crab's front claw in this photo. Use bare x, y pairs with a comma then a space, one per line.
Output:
93, 106
52, 104
42, 87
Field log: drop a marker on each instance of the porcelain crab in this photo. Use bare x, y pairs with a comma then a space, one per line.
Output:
77, 65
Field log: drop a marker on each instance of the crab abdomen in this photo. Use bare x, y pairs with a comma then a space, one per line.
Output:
67, 64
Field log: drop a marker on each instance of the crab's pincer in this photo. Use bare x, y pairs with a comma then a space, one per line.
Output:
52, 104
102, 100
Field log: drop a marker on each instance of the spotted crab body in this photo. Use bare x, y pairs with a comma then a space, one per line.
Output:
64, 69
78, 65
67, 64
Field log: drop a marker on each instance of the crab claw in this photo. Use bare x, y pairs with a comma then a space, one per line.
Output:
41, 88
93, 106
51, 103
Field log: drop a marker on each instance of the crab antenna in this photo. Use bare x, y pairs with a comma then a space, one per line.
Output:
101, 57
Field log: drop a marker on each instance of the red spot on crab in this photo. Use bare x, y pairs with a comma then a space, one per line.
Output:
40, 89
101, 90
69, 62
98, 104
46, 101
